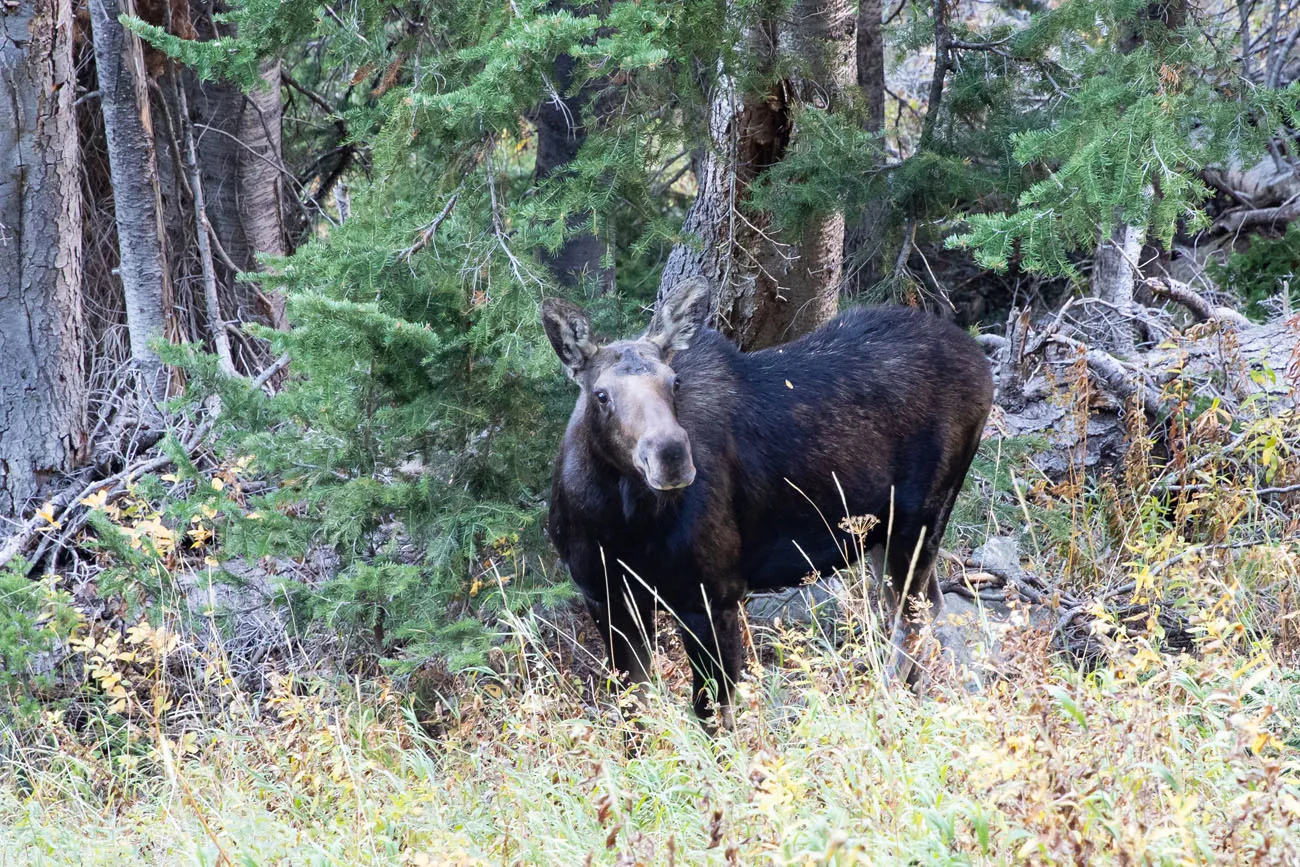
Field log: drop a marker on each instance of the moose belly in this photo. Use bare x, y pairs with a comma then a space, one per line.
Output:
786, 559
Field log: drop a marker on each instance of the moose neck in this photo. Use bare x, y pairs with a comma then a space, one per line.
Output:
636, 501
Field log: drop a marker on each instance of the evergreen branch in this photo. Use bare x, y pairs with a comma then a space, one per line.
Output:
427, 233
498, 227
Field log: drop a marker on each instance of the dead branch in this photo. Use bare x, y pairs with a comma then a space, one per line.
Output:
428, 232
942, 65
76, 514
1114, 375
265, 376
67, 512
1200, 307
220, 340
498, 224
1237, 221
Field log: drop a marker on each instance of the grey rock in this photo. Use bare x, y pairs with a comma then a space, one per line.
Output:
999, 553
812, 603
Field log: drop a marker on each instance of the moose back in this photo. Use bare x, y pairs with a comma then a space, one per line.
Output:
691, 473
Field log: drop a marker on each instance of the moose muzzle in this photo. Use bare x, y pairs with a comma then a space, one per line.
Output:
664, 459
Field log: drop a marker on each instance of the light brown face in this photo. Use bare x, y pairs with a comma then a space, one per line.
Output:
629, 391
631, 406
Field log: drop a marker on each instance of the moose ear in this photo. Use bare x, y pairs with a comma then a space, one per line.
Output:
570, 333
679, 315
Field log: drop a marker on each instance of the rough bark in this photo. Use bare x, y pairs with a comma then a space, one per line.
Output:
768, 290
42, 376
560, 135
864, 238
237, 139
1113, 278
137, 198
821, 39
710, 226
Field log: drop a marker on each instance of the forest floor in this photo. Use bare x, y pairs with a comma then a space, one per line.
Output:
1150, 758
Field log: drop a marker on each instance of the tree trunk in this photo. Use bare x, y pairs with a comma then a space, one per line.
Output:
203, 235
42, 375
137, 199
768, 290
238, 149
821, 41
560, 135
864, 239
709, 225
1119, 250
261, 182
1113, 270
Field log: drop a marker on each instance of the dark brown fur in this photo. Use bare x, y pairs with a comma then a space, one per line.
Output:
880, 411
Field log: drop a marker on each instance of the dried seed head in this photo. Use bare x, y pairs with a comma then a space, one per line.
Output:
859, 526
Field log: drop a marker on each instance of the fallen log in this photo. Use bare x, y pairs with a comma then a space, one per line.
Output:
1252, 369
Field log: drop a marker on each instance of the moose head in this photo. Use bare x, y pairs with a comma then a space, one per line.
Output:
629, 388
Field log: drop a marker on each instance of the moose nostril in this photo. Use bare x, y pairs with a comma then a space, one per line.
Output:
673, 452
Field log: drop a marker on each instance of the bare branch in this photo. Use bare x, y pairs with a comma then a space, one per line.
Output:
428, 232
1114, 375
1201, 308
1236, 221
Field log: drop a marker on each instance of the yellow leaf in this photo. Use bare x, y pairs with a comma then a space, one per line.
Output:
96, 500
46, 513
217, 484
788, 384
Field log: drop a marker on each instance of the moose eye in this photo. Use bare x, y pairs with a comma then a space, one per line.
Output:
677, 384
602, 397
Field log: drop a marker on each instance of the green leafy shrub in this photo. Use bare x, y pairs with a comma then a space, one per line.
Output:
1268, 267
34, 616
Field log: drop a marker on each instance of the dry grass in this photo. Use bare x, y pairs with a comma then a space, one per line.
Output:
1154, 759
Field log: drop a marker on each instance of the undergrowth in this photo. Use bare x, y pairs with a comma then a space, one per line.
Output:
1156, 759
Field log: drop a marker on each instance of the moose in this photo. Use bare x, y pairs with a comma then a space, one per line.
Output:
692, 473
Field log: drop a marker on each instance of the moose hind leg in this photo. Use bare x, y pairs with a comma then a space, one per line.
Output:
914, 585
714, 649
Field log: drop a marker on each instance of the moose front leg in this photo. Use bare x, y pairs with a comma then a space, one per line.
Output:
713, 646
624, 631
